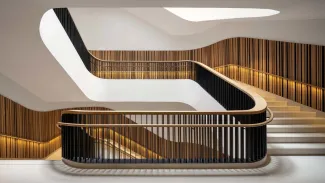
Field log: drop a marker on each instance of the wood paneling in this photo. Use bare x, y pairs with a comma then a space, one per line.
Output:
16, 148
25, 133
18, 121
293, 61
303, 93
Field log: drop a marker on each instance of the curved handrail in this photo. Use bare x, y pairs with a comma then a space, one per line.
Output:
260, 103
238, 140
270, 118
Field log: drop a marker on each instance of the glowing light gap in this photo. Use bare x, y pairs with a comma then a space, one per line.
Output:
207, 14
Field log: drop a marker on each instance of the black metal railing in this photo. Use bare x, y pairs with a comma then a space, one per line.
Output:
162, 137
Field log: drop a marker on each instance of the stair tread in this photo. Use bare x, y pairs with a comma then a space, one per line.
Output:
285, 106
300, 118
297, 126
293, 112
289, 135
296, 145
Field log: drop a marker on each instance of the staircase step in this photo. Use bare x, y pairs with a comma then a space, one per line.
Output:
311, 128
296, 137
268, 96
277, 103
296, 148
297, 121
285, 108
294, 114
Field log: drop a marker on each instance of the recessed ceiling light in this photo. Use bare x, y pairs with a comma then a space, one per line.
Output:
206, 14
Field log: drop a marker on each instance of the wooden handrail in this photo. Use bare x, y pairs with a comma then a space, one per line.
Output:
167, 125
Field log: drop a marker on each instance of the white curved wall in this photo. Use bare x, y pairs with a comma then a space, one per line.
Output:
104, 90
88, 90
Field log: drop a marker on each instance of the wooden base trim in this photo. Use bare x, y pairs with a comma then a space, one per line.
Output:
265, 161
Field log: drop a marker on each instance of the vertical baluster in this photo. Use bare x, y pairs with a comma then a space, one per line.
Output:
168, 140
152, 138
127, 120
174, 156
179, 140
89, 135
196, 139
146, 140
209, 139
237, 137
226, 139
184, 117
220, 139
162, 141
157, 139
231, 140
214, 139
102, 130
138, 140
129, 138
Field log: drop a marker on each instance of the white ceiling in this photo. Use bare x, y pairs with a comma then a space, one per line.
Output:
158, 29
154, 28
289, 10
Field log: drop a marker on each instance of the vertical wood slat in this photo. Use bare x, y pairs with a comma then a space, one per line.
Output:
38, 128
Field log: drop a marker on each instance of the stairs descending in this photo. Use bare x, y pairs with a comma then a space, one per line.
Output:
295, 130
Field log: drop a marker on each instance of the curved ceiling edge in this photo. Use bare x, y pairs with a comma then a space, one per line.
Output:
100, 90
143, 36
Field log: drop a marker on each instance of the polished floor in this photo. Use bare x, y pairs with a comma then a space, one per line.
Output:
297, 169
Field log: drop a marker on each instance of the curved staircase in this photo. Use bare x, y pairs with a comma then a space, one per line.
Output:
295, 129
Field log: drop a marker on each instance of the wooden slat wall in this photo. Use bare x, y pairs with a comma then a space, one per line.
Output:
298, 62
13, 148
213, 55
36, 130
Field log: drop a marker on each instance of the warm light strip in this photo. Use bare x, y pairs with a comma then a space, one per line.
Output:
207, 14
266, 73
28, 140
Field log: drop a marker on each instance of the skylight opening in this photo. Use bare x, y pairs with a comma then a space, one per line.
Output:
207, 14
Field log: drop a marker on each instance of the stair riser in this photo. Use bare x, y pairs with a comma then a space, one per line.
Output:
273, 152
296, 122
296, 130
285, 108
273, 100
269, 97
294, 114
296, 139
277, 103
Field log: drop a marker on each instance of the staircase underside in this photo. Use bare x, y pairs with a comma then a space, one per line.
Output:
296, 129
